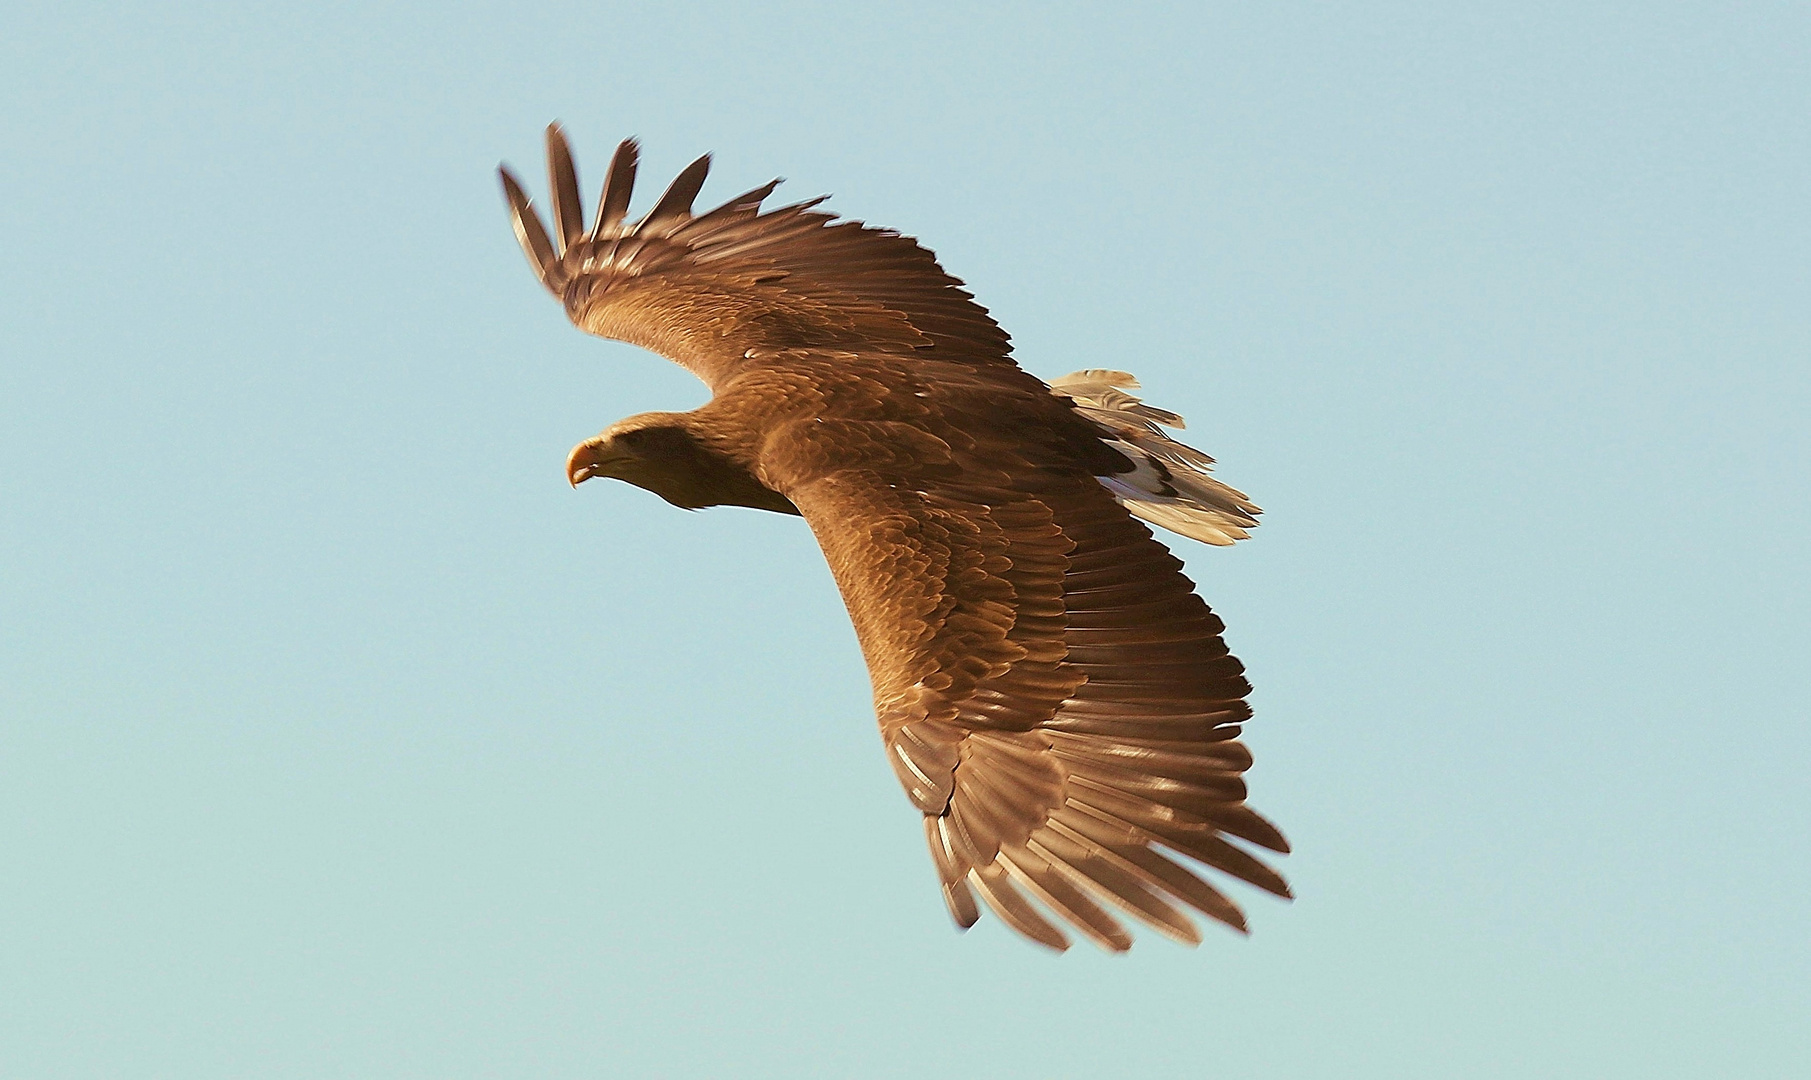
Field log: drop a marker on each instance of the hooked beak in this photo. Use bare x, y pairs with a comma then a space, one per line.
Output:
593, 457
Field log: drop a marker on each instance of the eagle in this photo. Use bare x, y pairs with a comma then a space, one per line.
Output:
1056, 700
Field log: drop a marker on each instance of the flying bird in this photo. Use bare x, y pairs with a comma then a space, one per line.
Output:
1055, 699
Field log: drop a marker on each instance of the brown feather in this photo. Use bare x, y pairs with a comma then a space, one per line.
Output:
1056, 891
677, 202
568, 215
1014, 909
952, 872
1097, 868
530, 233
619, 184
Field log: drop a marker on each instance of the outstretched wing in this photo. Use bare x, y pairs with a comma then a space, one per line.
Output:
1054, 697
719, 290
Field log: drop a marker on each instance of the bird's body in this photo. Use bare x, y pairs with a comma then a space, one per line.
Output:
1056, 701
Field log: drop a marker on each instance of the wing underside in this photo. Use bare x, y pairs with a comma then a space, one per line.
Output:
1054, 697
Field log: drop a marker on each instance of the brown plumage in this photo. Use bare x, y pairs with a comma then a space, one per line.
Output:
1055, 699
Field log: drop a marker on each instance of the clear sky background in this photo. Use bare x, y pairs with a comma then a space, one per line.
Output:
338, 737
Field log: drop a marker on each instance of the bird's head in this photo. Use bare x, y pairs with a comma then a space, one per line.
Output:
637, 450
663, 454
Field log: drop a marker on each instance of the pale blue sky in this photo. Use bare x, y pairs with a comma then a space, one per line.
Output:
339, 738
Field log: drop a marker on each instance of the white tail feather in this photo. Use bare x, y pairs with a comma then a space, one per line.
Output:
1169, 483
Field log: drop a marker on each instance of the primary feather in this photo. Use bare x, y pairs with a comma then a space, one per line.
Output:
1055, 699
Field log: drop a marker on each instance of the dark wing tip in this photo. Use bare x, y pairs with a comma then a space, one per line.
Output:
619, 185
677, 201
562, 177
530, 233
749, 200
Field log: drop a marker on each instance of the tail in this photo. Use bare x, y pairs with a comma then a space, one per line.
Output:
1169, 484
